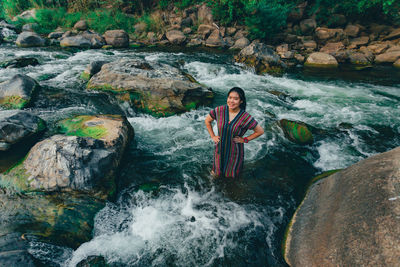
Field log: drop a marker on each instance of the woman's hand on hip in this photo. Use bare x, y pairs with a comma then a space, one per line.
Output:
238, 139
215, 139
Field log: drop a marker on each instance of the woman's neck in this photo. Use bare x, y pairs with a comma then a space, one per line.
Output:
236, 110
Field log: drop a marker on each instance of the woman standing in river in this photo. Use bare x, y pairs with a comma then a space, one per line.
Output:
233, 122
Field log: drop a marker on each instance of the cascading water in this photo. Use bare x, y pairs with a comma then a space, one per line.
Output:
186, 218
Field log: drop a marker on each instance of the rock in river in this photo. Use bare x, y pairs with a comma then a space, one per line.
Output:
18, 92
154, 88
30, 39
350, 218
84, 159
296, 132
16, 126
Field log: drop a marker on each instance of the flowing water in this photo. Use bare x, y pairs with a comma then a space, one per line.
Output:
169, 211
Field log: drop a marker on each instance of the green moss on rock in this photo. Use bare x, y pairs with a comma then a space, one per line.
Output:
297, 132
76, 126
13, 102
85, 76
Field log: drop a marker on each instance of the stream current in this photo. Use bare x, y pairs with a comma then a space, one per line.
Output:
169, 211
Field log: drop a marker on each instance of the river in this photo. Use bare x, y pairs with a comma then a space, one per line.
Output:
169, 211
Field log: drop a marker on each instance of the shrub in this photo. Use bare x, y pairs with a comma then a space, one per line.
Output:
266, 18
104, 20
228, 11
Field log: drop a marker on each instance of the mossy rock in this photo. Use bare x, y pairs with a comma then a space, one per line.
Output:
78, 126
85, 76
296, 132
14, 102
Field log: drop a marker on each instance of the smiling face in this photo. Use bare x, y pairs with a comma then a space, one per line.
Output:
234, 101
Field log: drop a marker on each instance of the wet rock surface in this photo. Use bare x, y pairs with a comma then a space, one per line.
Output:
349, 218
17, 126
154, 88
17, 92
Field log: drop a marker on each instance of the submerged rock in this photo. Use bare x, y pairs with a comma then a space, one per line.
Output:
85, 159
19, 62
17, 93
296, 132
14, 251
262, 58
154, 88
349, 218
17, 126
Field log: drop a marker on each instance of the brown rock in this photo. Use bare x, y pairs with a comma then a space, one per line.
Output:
300, 58
393, 35
204, 30
379, 29
117, 38
370, 56
215, 40
325, 34
241, 43
309, 45
387, 57
290, 38
332, 48
282, 48
81, 25
393, 48
307, 26
318, 59
240, 34
349, 218
358, 58
176, 37
352, 30
187, 31
357, 42
230, 30
378, 48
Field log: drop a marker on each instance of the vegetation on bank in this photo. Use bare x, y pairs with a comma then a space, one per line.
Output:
263, 18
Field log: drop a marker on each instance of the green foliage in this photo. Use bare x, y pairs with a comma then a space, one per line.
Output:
76, 126
104, 20
229, 11
363, 10
266, 18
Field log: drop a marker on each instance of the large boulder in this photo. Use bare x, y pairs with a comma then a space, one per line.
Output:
176, 37
17, 92
204, 30
30, 39
352, 30
350, 218
86, 158
17, 126
321, 60
81, 25
263, 58
393, 35
153, 88
241, 43
357, 42
204, 14
117, 38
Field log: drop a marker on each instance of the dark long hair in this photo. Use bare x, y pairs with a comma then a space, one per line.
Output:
241, 96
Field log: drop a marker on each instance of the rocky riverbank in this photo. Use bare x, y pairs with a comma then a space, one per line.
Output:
302, 42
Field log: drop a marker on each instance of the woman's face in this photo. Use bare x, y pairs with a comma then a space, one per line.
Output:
233, 100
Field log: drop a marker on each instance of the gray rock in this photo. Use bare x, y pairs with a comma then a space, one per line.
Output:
350, 218
30, 27
76, 41
262, 57
81, 25
154, 88
93, 68
17, 126
241, 43
215, 40
79, 163
55, 35
117, 38
4, 24
30, 39
17, 92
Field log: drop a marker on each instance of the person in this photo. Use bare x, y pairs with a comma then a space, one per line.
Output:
233, 122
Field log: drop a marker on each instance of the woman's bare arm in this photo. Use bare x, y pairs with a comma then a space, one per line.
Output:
258, 130
208, 122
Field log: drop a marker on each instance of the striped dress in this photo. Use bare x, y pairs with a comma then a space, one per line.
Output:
228, 155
